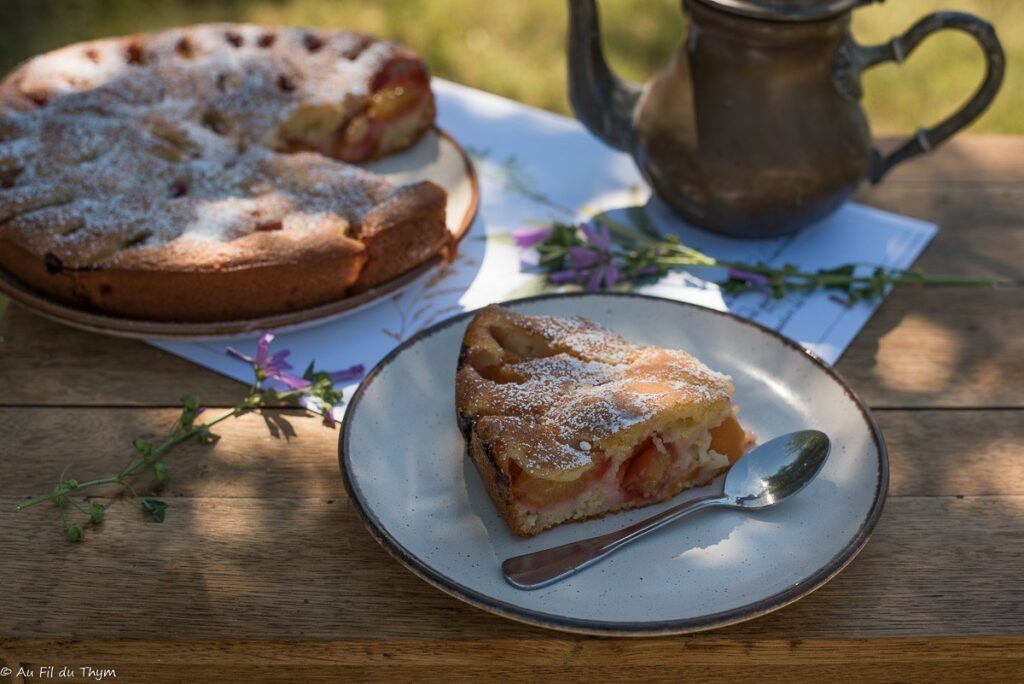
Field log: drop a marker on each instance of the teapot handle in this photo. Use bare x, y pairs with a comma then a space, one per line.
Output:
900, 47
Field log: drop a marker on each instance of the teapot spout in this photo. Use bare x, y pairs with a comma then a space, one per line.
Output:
603, 102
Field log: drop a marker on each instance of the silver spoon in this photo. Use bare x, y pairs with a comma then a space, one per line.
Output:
773, 471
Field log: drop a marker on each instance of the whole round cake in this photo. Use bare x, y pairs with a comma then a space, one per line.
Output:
206, 173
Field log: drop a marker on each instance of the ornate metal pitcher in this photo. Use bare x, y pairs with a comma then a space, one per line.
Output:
754, 128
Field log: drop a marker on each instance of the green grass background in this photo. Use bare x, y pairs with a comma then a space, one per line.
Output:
516, 47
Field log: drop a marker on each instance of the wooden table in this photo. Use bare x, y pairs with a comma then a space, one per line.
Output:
263, 572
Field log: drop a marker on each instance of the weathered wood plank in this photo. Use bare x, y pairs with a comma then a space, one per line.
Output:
943, 347
932, 453
539, 648
678, 659
268, 569
954, 453
277, 454
970, 159
42, 362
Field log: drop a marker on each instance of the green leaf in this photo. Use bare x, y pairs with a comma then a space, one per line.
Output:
96, 513
189, 410
205, 436
845, 271
144, 447
154, 507
552, 253
73, 533
329, 396
310, 370
160, 470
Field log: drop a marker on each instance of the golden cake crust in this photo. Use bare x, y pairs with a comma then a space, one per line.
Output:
565, 400
192, 174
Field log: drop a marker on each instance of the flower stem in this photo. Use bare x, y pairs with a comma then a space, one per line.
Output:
316, 385
571, 254
132, 466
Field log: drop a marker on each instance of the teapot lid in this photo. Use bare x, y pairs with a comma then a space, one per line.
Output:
788, 10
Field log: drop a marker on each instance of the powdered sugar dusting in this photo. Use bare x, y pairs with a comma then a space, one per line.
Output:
582, 337
596, 386
133, 143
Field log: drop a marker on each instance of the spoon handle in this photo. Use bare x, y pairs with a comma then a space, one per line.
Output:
540, 568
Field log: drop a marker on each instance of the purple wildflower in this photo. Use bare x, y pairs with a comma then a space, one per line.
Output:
592, 266
271, 366
565, 277
611, 276
276, 366
755, 280
352, 373
528, 237
584, 257
603, 276
601, 237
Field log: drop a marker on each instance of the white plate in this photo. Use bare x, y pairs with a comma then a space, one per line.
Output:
403, 464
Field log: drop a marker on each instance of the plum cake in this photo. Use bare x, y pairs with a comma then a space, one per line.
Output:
207, 173
565, 420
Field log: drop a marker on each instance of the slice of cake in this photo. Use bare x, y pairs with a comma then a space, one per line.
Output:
565, 420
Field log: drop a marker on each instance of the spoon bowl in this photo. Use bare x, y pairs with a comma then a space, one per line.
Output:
772, 472
776, 469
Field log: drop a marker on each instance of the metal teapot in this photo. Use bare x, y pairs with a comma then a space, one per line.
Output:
754, 128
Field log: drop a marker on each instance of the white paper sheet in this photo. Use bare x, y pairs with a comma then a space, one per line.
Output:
535, 166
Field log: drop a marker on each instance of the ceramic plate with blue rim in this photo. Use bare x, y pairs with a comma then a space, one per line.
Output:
403, 463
